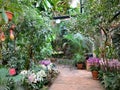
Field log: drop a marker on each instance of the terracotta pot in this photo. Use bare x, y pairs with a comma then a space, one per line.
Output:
95, 75
79, 66
9, 15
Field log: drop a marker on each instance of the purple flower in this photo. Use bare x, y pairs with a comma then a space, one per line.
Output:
94, 63
113, 63
45, 62
93, 60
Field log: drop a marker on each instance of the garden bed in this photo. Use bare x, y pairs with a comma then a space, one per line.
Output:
38, 77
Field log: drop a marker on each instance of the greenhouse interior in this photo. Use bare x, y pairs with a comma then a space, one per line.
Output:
59, 44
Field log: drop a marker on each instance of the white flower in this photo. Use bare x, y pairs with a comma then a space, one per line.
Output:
32, 77
35, 81
44, 67
39, 78
50, 66
24, 72
41, 73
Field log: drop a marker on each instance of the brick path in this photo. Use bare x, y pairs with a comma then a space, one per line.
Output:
72, 79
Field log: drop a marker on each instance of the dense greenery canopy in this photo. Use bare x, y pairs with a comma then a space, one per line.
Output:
33, 34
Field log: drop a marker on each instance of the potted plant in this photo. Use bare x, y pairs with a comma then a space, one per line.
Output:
79, 60
94, 66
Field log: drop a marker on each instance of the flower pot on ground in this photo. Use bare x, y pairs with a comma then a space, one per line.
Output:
94, 63
9, 15
94, 66
79, 65
95, 75
79, 61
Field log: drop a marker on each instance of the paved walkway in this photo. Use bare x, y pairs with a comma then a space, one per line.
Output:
72, 79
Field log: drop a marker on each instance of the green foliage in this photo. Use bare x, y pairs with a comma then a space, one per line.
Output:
111, 81
33, 38
116, 41
4, 79
37, 43
13, 6
79, 58
97, 17
109, 74
3, 15
94, 68
110, 52
78, 46
78, 42
57, 7
97, 52
4, 73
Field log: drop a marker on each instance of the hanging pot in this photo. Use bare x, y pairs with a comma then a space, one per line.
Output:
9, 15
11, 35
2, 36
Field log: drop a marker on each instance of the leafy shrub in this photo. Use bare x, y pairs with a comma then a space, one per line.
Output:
111, 81
110, 74
94, 63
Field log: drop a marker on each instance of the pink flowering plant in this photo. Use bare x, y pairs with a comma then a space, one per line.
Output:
110, 74
111, 65
34, 78
12, 71
45, 62
94, 63
38, 75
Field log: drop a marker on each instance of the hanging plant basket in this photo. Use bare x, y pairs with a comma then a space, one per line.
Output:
9, 15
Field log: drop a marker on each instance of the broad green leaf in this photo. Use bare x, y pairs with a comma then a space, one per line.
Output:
4, 16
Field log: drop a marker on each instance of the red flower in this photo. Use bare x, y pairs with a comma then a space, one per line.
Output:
12, 71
